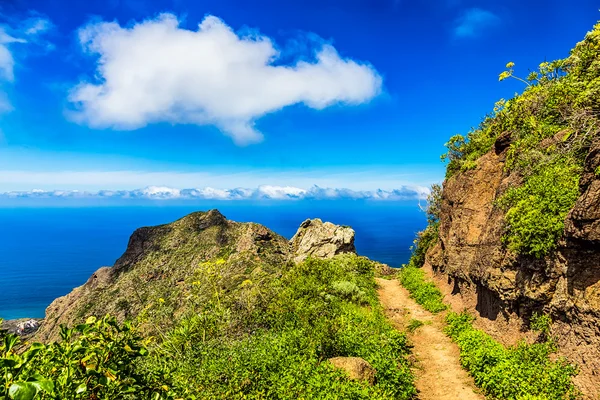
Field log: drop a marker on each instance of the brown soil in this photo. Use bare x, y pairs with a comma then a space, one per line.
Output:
439, 375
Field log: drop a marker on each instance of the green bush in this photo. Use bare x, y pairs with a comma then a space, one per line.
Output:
92, 361
348, 291
423, 291
537, 209
524, 371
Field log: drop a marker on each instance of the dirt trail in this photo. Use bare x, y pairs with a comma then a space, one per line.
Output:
439, 375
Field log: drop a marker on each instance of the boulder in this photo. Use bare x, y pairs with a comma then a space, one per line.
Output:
357, 368
317, 239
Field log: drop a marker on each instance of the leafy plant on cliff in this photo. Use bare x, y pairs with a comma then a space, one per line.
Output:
429, 236
536, 210
548, 130
524, 371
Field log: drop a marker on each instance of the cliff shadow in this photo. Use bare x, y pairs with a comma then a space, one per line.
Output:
488, 305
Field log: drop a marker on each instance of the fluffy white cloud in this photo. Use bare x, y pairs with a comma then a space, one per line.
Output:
156, 71
208, 193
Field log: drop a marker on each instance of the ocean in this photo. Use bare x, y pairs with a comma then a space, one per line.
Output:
46, 252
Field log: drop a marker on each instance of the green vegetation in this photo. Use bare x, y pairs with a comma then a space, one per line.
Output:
414, 324
272, 338
411, 276
259, 336
95, 360
525, 371
423, 291
549, 128
537, 210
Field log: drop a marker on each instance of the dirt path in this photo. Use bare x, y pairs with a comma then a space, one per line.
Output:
439, 375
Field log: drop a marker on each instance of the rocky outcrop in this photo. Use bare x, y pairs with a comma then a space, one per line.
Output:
322, 240
478, 272
160, 260
23, 327
356, 368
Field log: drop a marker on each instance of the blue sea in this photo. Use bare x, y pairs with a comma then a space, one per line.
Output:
46, 252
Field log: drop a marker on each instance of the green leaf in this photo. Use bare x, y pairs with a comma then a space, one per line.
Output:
22, 391
81, 388
44, 385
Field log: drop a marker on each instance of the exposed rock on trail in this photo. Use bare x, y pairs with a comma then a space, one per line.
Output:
357, 368
439, 375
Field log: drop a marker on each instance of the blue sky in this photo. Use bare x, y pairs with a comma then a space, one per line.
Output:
354, 95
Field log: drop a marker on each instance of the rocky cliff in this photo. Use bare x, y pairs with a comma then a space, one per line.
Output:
161, 263
472, 260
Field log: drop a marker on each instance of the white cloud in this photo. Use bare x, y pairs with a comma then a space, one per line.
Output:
156, 71
7, 61
473, 22
26, 31
208, 193
360, 179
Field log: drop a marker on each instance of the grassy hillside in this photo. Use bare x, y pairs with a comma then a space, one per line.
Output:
267, 336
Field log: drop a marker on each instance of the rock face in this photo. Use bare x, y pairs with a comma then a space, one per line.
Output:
503, 288
22, 327
322, 240
357, 368
160, 259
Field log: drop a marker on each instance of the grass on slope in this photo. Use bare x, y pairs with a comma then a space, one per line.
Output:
424, 292
523, 372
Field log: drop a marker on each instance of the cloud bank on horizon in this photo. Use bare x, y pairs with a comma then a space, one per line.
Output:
265, 192
155, 71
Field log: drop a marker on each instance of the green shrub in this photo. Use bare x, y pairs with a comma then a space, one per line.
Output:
540, 323
348, 291
537, 209
524, 371
423, 291
93, 360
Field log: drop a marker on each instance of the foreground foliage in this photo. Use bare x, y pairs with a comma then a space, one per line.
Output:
258, 336
549, 129
525, 371
95, 360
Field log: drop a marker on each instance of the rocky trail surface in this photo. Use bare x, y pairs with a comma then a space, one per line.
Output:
438, 373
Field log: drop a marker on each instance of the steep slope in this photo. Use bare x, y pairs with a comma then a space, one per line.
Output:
518, 220
161, 263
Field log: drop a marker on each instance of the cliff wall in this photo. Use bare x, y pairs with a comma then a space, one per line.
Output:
477, 270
